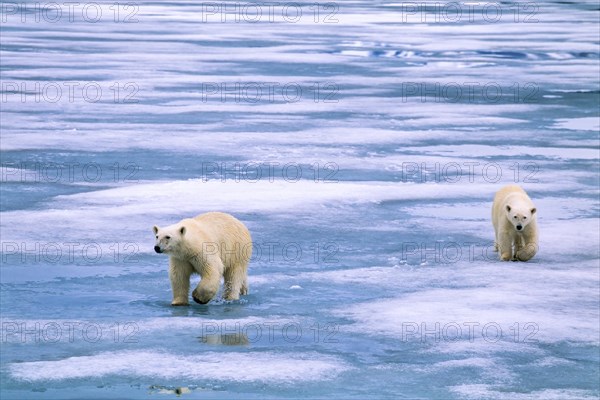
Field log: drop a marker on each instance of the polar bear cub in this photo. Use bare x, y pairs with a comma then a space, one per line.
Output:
214, 245
514, 219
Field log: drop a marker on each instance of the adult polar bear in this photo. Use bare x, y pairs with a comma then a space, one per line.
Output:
514, 219
213, 245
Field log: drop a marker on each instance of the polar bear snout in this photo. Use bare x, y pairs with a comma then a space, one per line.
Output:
157, 249
519, 227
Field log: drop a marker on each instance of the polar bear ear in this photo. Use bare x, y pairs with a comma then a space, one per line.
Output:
182, 230
533, 210
155, 229
508, 208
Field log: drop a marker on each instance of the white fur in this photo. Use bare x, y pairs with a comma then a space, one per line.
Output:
213, 245
515, 223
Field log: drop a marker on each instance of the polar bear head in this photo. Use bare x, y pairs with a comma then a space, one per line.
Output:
520, 215
169, 239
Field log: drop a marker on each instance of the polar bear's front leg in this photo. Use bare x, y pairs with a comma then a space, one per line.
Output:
210, 273
527, 252
519, 245
496, 238
206, 289
530, 243
179, 273
505, 246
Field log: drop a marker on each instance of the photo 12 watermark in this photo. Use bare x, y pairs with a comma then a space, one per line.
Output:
69, 91
451, 252
269, 12
235, 333
269, 92
276, 252
69, 172
470, 92
125, 253
490, 332
252, 172
68, 332
293, 252
483, 12
468, 171
69, 253
68, 12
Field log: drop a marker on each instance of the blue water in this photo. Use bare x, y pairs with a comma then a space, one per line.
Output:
361, 142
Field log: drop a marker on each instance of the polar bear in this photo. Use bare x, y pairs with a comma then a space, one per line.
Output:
514, 219
213, 245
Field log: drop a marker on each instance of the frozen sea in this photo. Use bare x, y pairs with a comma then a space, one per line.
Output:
360, 141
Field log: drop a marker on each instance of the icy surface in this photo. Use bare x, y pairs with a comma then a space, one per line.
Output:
361, 142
